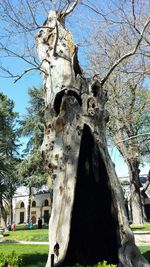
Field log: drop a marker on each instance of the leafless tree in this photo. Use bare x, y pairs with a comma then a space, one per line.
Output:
129, 101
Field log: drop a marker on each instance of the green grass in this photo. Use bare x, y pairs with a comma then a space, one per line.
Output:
144, 227
32, 255
40, 235
36, 255
25, 226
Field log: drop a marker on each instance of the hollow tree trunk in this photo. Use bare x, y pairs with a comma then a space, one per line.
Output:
88, 221
136, 200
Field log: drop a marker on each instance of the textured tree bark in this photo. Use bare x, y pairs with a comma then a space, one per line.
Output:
136, 200
88, 223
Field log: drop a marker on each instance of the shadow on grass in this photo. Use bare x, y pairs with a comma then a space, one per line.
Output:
147, 255
9, 241
6, 234
34, 259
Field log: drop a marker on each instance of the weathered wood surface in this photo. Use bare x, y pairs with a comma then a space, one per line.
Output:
75, 117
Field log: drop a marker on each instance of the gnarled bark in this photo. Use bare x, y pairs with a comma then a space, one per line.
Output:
88, 221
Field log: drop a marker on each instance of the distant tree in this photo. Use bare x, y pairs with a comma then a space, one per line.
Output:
8, 153
127, 87
32, 125
31, 170
128, 106
129, 128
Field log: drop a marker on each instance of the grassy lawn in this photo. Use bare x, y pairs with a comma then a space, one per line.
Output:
36, 255
32, 255
25, 226
144, 227
40, 235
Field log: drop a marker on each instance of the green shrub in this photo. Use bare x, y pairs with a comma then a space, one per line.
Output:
104, 264
100, 264
12, 259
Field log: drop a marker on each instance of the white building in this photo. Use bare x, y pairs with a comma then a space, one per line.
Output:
40, 206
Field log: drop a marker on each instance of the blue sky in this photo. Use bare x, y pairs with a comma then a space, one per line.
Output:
18, 91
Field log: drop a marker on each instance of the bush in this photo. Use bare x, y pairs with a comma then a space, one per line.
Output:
12, 259
104, 264
100, 264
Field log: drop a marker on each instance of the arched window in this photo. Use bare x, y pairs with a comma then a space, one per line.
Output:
33, 203
46, 202
22, 205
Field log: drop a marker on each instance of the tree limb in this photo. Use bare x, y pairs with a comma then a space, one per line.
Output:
132, 137
70, 9
133, 12
28, 70
33, 17
131, 53
15, 54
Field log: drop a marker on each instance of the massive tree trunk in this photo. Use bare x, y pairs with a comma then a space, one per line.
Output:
88, 223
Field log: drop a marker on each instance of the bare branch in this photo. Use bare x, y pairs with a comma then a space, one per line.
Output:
133, 12
33, 17
132, 137
26, 71
70, 9
95, 10
10, 75
131, 53
10, 52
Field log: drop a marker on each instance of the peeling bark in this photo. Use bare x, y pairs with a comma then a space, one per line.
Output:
88, 202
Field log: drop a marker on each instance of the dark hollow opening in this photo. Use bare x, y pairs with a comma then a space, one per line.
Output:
93, 233
76, 65
59, 96
95, 88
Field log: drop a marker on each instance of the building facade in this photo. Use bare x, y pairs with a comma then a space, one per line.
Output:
40, 206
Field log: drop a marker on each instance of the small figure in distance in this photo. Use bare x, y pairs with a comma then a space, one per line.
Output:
30, 224
39, 223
